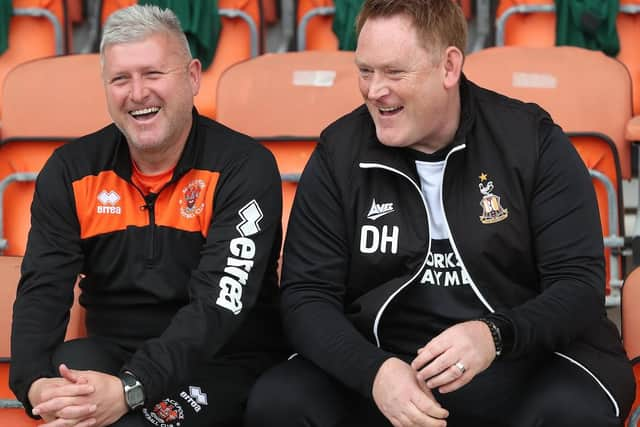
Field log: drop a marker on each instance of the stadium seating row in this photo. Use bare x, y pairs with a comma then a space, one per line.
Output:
519, 22
533, 23
40, 28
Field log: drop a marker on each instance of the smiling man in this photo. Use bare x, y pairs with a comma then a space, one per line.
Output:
173, 223
444, 260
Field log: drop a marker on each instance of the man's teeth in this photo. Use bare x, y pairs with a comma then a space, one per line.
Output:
388, 109
145, 111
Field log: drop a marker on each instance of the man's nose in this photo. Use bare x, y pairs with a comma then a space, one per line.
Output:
378, 87
139, 90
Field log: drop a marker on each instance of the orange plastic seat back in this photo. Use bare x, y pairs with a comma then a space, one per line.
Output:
319, 33
630, 313
527, 29
538, 29
75, 9
269, 11
563, 81
293, 94
68, 103
467, 8
234, 45
628, 26
110, 6
285, 100
33, 37
64, 93
584, 90
10, 274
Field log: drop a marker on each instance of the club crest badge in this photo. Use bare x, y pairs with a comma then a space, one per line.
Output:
190, 194
167, 413
492, 210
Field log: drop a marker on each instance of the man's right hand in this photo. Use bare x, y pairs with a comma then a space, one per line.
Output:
71, 396
404, 400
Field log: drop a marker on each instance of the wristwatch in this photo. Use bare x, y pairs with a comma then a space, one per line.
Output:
133, 390
495, 334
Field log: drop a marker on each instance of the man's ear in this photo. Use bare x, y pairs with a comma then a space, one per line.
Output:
452, 66
195, 74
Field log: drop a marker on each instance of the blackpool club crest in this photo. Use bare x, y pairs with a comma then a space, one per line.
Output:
167, 413
190, 193
492, 210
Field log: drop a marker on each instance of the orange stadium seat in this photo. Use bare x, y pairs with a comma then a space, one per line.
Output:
240, 39
314, 20
269, 11
75, 9
467, 8
11, 412
630, 315
533, 23
110, 6
285, 100
37, 29
594, 116
66, 95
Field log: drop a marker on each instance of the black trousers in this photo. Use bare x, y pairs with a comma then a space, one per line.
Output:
530, 393
215, 397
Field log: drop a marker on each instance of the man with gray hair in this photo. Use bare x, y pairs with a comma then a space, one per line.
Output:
173, 223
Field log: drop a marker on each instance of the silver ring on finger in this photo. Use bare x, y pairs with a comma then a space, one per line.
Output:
460, 367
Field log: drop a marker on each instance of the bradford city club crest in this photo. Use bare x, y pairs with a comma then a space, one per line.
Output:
190, 194
492, 210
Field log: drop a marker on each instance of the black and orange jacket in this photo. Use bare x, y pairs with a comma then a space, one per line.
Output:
180, 276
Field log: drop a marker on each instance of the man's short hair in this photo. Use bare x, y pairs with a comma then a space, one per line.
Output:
136, 23
440, 23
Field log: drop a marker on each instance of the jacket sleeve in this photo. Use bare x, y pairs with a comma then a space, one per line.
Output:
243, 240
568, 248
314, 280
50, 267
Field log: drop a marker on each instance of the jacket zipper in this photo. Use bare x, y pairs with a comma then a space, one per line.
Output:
376, 323
149, 205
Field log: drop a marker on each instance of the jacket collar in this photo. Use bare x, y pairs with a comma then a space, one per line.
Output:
122, 159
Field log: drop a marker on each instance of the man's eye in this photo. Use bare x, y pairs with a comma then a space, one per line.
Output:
118, 79
154, 74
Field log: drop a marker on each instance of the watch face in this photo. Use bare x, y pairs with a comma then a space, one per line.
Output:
135, 396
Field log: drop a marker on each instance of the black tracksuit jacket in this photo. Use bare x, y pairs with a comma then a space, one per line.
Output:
180, 277
540, 268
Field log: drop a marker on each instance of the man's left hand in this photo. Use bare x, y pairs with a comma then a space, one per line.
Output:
454, 357
108, 396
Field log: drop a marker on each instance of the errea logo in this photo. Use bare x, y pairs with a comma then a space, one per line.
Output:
239, 265
108, 201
